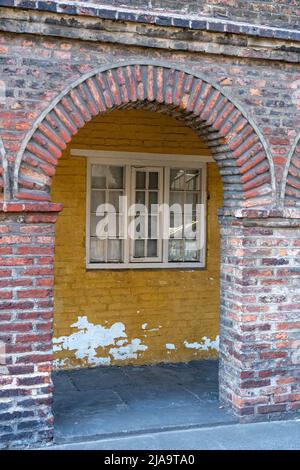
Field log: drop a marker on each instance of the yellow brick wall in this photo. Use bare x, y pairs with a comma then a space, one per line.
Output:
166, 315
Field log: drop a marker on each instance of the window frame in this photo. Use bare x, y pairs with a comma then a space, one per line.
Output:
154, 160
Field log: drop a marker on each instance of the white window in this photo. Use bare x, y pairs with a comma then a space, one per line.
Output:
145, 210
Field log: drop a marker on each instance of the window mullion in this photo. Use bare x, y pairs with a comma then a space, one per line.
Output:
127, 240
166, 200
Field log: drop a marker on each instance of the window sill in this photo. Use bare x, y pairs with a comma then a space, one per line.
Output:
145, 266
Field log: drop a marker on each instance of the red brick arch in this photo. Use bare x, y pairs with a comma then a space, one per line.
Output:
291, 178
235, 143
4, 181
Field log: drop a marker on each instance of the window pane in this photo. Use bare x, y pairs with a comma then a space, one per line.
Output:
97, 198
191, 180
97, 250
153, 200
176, 226
104, 176
178, 199
98, 176
140, 227
191, 252
114, 250
175, 250
153, 231
177, 179
153, 180
115, 177
140, 180
152, 248
94, 222
192, 199
139, 248
140, 197
114, 200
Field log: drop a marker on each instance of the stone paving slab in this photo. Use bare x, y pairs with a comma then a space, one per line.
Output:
113, 400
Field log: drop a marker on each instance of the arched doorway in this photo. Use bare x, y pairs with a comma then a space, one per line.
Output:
245, 168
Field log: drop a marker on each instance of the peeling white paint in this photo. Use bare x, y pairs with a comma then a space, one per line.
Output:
170, 346
145, 327
128, 351
205, 344
90, 337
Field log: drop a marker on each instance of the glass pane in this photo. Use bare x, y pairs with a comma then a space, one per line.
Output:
191, 180
152, 248
98, 176
191, 253
114, 250
114, 200
140, 197
176, 226
104, 176
153, 180
178, 199
190, 227
177, 179
192, 199
175, 250
140, 227
139, 248
97, 198
94, 221
153, 226
140, 182
153, 201
115, 177
97, 250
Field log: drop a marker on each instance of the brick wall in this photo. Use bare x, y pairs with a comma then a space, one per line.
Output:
266, 92
159, 307
26, 293
259, 356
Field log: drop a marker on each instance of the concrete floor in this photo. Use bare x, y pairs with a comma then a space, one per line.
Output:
112, 402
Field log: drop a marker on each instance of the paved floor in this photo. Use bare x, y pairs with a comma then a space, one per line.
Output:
109, 402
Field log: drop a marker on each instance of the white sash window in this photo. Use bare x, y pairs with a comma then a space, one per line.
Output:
145, 210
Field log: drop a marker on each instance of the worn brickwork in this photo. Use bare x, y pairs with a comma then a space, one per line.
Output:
26, 292
233, 77
259, 365
247, 176
267, 93
160, 307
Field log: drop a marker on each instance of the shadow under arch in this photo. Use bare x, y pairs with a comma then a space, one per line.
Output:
234, 140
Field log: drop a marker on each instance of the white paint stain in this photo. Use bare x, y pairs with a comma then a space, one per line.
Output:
205, 344
170, 346
128, 351
144, 326
90, 337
